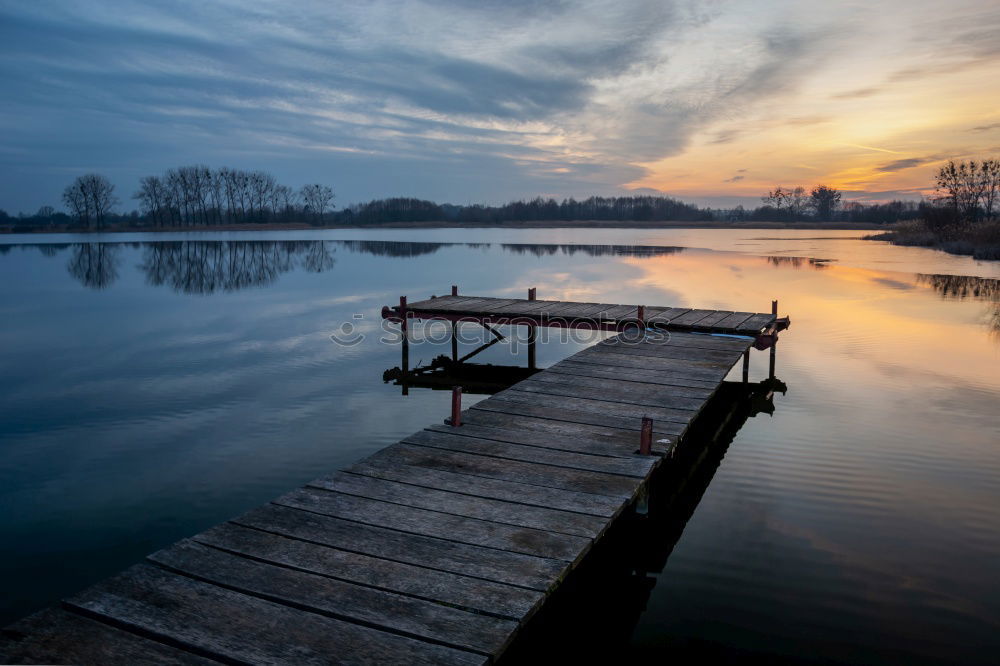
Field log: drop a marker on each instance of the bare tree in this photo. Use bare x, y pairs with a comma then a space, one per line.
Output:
317, 199
824, 200
153, 199
90, 198
989, 174
284, 201
262, 184
797, 202
778, 198
962, 187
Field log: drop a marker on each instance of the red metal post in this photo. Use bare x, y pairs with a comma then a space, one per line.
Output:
641, 316
456, 406
454, 290
646, 436
774, 308
532, 332
402, 311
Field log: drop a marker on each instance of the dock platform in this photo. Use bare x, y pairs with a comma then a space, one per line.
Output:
437, 549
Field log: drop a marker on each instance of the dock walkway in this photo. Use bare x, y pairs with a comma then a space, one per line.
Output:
437, 549
603, 315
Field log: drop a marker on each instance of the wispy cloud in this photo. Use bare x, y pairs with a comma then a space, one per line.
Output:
856, 94
907, 163
450, 100
878, 150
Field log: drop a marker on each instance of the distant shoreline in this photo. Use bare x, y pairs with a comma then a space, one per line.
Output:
535, 224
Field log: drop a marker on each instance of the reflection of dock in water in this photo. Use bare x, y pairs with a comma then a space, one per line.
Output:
443, 374
442, 547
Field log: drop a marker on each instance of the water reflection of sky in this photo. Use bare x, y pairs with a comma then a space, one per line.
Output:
189, 381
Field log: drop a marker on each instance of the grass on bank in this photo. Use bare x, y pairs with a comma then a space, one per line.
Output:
980, 240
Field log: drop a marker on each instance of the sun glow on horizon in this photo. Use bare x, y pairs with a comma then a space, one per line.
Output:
878, 142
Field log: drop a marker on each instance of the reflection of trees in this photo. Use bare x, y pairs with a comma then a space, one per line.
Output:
318, 257
961, 287
95, 264
51, 249
548, 249
392, 248
797, 262
204, 267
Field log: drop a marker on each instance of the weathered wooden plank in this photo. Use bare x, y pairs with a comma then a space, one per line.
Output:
667, 315
756, 323
461, 529
501, 303
459, 591
584, 311
563, 437
549, 476
396, 613
603, 407
637, 394
526, 307
690, 355
537, 573
559, 307
605, 308
679, 348
661, 429
643, 375
234, 626
56, 636
439, 302
621, 312
483, 508
690, 339
465, 439
732, 321
617, 441
695, 370
478, 486
470, 305
689, 318
710, 320
639, 387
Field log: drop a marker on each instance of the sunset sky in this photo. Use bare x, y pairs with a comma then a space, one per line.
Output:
713, 102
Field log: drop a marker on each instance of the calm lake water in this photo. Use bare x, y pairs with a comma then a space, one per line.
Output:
155, 385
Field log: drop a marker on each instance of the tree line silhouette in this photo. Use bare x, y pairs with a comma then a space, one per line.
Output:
199, 196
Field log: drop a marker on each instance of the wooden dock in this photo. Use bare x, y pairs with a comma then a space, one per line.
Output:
602, 316
437, 549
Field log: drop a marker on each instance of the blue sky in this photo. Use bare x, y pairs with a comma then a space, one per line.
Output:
463, 102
